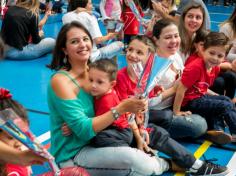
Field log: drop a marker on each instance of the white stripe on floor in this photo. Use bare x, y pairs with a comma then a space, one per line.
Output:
232, 166
44, 137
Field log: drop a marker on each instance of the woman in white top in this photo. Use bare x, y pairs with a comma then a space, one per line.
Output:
167, 40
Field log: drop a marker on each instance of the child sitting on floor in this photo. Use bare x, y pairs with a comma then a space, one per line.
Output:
193, 95
23, 122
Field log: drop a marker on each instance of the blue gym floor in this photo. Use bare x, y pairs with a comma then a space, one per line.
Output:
27, 81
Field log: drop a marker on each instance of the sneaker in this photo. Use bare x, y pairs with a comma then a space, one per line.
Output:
218, 137
211, 169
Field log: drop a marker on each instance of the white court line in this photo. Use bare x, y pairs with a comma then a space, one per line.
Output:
232, 166
44, 137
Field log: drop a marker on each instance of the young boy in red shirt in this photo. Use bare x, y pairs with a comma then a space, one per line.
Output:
193, 95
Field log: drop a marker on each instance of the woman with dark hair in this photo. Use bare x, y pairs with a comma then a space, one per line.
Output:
81, 11
19, 26
70, 102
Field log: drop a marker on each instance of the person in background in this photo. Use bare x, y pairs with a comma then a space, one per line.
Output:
111, 12
21, 23
184, 3
191, 20
131, 23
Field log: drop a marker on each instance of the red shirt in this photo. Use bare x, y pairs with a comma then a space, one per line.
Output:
125, 87
196, 78
105, 103
131, 24
16, 170
191, 58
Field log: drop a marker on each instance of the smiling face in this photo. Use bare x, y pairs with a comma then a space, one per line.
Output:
213, 55
193, 20
78, 45
169, 41
136, 52
100, 82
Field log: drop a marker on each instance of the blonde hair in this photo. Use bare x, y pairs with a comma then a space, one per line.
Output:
186, 41
31, 5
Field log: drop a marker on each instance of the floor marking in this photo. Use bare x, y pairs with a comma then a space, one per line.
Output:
231, 166
200, 151
44, 137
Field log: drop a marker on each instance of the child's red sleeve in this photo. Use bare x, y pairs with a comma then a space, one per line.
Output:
190, 75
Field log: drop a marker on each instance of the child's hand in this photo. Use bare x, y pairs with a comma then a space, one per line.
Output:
142, 145
66, 131
183, 113
234, 65
139, 117
27, 158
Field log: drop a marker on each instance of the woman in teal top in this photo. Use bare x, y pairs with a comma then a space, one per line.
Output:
70, 103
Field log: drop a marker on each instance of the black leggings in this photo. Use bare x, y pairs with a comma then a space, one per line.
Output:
225, 84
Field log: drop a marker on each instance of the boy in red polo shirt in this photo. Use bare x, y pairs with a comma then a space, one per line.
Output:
193, 93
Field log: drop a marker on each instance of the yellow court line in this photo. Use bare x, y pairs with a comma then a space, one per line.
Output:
200, 151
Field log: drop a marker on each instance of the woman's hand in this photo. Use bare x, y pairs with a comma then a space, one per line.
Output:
66, 131
134, 105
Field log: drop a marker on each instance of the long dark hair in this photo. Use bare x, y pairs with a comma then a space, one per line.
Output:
58, 53
74, 4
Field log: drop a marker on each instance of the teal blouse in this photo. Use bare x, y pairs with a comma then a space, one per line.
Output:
77, 114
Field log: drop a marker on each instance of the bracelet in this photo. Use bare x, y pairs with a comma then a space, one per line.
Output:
115, 113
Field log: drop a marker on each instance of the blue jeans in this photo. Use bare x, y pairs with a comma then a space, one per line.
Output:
178, 126
117, 161
161, 141
31, 51
108, 51
216, 110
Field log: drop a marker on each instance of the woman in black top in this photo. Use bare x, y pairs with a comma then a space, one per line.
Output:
21, 34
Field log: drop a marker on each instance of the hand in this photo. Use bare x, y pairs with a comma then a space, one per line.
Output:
111, 35
142, 145
133, 105
157, 6
234, 65
27, 158
41, 33
139, 117
66, 131
183, 113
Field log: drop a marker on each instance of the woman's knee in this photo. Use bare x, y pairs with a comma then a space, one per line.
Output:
199, 126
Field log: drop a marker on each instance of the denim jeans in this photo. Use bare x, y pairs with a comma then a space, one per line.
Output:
31, 51
178, 126
117, 161
109, 51
216, 110
161, 141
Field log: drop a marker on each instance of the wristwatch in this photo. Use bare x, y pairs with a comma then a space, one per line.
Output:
115, 113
